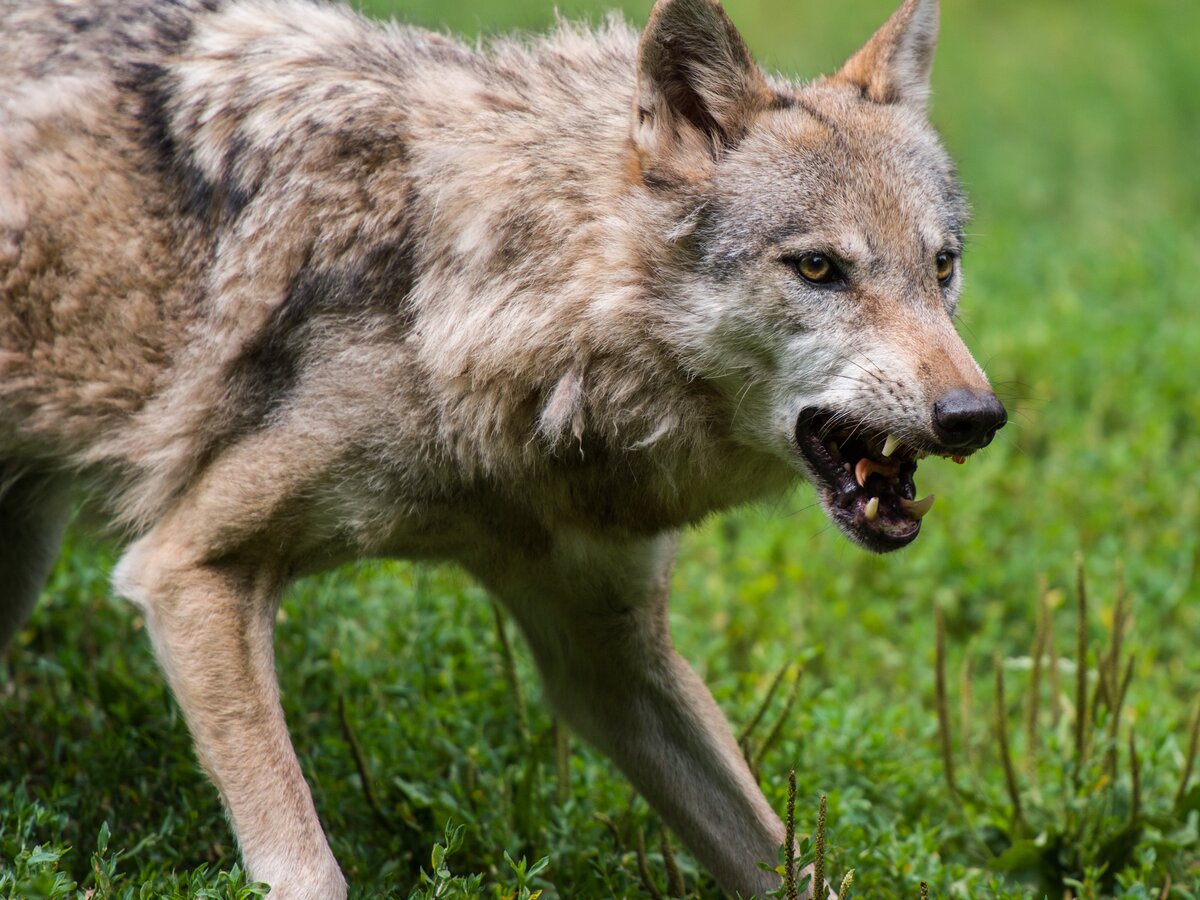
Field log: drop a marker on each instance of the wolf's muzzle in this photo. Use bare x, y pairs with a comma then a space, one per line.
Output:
964, 419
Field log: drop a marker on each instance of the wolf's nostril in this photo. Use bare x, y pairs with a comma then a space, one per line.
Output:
966, 419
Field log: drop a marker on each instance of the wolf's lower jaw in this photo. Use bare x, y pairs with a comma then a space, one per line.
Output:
865, 482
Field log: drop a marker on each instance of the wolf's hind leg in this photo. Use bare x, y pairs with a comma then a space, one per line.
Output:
33, 514
595, 614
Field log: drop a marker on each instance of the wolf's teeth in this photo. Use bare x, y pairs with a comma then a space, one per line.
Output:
861, 471
917, 508
890, 445
847, 467
866, 465
872, 510
834, 451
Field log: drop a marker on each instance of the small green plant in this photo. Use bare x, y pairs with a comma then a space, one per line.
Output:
34, 871
1074, 818
802, 862
439, 881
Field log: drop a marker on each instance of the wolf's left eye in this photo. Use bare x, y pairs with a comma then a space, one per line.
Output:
815, 268
945, 266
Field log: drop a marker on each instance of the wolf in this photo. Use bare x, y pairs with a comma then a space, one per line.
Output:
281, 287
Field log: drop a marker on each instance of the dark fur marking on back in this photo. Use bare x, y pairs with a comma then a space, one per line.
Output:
212, 200
378, 285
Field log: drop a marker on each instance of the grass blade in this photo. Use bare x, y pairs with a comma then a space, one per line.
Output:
789, 840
360, 763
777, 728
943, 714
818, 883
676, 886
1081, 667
1033, 710
510, 675
643, 865
1189, 760
1010, 774
748, 730
562, 762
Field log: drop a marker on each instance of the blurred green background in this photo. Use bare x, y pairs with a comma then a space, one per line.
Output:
1077, 131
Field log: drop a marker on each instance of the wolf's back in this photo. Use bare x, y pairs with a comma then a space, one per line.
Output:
92, 263
46, 39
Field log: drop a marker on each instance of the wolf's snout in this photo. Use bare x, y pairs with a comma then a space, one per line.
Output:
967, 420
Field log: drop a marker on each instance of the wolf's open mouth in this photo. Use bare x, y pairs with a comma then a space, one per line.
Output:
865, 480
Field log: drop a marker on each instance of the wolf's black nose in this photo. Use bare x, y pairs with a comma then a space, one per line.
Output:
968, 420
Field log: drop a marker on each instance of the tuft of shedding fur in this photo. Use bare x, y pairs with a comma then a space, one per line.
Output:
282, 287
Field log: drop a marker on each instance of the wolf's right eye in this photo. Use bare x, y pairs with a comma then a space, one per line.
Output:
945, 266
815, 268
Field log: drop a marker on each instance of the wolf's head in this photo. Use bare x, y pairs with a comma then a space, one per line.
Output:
820, 259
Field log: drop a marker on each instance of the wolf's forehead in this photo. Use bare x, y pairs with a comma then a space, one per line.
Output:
844, 174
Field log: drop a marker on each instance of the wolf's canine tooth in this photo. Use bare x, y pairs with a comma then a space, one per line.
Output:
872, 509
918, 509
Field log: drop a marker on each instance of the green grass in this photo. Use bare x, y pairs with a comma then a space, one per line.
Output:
1076, 127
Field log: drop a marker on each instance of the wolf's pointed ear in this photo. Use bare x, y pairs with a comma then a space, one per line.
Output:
697, 89
894, 65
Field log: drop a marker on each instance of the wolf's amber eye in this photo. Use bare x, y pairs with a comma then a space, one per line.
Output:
816, 268
945, 266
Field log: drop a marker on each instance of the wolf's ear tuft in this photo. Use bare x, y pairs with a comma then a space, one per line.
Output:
697, 89
894, 65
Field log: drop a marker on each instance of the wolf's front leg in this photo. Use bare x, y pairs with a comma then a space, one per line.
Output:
595, 614
212, 626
